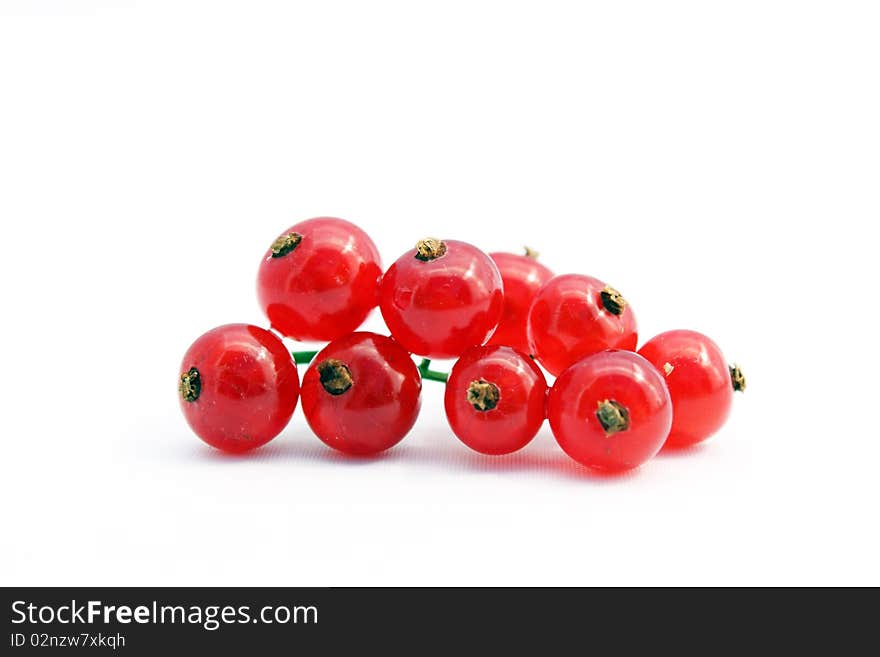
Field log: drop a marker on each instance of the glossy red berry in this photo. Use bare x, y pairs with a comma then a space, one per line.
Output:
495, 399
574, 316
442, 298
700, 383
610, 411
318, 280
522, 276
238, 387
361, 394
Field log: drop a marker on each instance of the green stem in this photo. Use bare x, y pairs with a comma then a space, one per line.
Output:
429, 374
303, 357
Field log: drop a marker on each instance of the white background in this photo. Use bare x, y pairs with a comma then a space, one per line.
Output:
717, 162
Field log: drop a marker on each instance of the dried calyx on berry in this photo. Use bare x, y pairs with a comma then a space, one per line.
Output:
285, 244
335, 376
612, 300
737, 378
430, 249
612, 416
483, 395
190, 385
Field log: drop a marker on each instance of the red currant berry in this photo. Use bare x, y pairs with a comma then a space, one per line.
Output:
495, 399
699, 380
361, 394
238, 387
610, 411
522, 275
574, 316
442, 298
318, 280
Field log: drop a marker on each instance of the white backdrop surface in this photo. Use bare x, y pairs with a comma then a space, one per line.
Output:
717, 162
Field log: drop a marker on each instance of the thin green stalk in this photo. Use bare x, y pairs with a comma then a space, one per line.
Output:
429, 374
303, 357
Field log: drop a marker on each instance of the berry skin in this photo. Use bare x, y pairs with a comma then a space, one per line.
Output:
442, 298
699, 382
318, 280
523, 276
574, 316
361, 394
610, 411
238, 387
495, 399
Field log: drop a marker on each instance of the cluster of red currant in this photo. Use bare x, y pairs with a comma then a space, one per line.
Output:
609, 408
